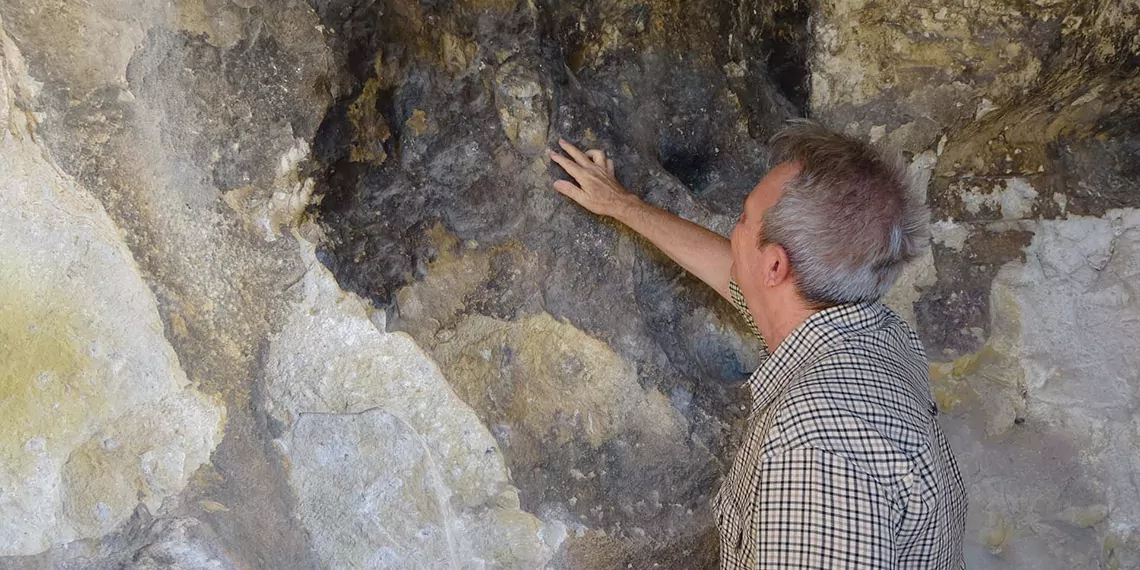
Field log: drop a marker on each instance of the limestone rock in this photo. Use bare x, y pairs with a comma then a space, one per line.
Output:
607, 377
160, 144
179, 543
87, 44
97, 413
390, 468
374, 497
283, 205
1014, 102
142, 543
1052, 399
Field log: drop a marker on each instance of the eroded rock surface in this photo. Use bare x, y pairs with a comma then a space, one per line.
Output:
1014, 101
607, 376
1045, 408
485, 375
390, 468
96, 415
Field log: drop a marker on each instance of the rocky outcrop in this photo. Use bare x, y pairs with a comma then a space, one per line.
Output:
1044, 408
284, 285
1012, 102
606, 375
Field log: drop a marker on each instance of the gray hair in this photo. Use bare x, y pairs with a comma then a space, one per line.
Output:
849, 220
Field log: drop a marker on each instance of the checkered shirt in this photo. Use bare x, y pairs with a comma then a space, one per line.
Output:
843, 464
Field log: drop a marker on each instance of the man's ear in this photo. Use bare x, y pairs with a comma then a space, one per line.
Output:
777, 267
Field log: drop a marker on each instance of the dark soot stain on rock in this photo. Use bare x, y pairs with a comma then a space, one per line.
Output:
453, 93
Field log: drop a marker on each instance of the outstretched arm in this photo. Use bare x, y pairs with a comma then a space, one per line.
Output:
700, 251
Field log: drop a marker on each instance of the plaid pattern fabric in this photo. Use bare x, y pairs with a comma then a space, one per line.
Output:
738, 302
843, 464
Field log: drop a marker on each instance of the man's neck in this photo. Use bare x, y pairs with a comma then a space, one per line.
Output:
781, 315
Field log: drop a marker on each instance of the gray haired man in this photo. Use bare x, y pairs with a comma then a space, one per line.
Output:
843, 464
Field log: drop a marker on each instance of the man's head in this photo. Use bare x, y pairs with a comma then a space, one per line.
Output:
835, 220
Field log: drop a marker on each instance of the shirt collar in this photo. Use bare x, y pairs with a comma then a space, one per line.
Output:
818, 332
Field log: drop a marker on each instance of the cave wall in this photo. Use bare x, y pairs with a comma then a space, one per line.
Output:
609, 379
284, 285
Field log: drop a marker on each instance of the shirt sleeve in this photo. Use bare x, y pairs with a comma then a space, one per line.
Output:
813, 509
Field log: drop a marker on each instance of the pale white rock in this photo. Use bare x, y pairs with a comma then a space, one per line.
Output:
877, 132
949, 234
97, 414
920, 171
906, 291
1016, 199
284, 203
370, 494
1067, 322
985, 107
391, 468
1079, 319
178, 543
1061, 200
973, 199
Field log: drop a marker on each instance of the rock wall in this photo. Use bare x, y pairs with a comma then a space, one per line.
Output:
608, 377
98, 415
284, 285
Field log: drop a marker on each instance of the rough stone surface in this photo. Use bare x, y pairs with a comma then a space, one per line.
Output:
96, 414
470, 371
142, 543
1014, 101
391, 469
607, 376
1045, 411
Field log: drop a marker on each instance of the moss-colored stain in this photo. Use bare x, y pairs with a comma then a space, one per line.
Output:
47, 382
951, 381
371, 129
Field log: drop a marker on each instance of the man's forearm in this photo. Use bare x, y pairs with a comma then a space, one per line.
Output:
700, 251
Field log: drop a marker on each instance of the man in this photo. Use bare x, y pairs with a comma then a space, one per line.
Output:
843, 464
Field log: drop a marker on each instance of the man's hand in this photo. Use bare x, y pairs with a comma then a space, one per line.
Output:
700, 251
598, 190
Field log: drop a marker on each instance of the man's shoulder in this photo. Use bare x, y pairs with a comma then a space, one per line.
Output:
884, 365
857, 401
816, 419
890, 336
